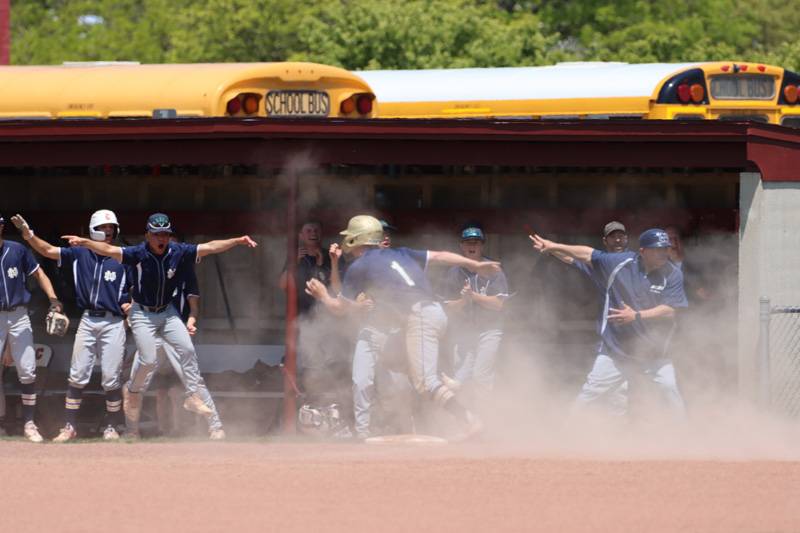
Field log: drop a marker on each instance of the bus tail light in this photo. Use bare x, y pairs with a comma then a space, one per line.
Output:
687, 87
790, 89
697, 92
234, 106
250, 103
348, 105
364, 103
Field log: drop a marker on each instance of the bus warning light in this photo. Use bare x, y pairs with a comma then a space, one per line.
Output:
234, 106
761, 68
790, 93
364, 104
743, 68
684, 94
725, 68
347, 106
250, 103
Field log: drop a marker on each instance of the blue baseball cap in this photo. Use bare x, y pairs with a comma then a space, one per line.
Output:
472, 233
158, 223
654, 238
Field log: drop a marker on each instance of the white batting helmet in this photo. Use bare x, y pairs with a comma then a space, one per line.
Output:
104, 216
362, 230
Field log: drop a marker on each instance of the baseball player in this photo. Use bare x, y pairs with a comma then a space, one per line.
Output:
16, 266
642, 293
158, 266
100, 289
186, 301
395, 280
475, 308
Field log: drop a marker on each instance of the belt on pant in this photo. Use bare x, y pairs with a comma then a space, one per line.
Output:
99, 313
159, 309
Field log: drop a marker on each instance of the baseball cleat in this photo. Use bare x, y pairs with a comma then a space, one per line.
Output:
110, 433
216, 434
452, 384
67, 433
131, 405
194, 404
31, 432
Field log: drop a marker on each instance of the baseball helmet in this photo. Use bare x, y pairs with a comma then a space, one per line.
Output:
362, 230
320, 421
103, 216
654, 238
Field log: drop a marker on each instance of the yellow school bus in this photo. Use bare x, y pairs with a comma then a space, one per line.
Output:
122, 89
724, 90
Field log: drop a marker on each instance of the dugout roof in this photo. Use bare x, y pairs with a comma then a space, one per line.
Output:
772, 150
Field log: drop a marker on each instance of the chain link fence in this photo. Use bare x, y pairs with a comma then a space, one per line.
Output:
779, 358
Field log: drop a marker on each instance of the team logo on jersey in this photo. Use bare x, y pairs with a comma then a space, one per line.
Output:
110, 276
170, 273
13, 272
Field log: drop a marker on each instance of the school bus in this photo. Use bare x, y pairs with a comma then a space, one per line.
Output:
128, 89
722, 90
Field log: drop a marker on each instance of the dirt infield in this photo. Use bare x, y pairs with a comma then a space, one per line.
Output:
268, 486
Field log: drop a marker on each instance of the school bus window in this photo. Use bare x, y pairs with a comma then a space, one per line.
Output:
791, 122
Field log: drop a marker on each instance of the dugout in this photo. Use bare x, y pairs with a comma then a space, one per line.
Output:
733, 182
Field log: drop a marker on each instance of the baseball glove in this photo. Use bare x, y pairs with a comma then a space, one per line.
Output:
56, 322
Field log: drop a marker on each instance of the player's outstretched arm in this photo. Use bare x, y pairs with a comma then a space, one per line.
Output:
100, 248
484, 268
578, 252
338, 306
626, 314
41, 246
218, 247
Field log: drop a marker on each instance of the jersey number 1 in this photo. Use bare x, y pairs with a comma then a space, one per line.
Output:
403, 274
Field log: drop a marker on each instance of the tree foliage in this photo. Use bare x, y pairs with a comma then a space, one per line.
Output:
366, 34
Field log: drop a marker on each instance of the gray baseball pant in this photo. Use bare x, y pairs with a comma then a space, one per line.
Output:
147, 327
374, 382
475, 358
424, 330
102, 337
16, 330
167, 354
608, 382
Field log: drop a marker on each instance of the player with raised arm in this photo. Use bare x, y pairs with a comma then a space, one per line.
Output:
394, 279
158, 266
16, 266
642, 293
100, 289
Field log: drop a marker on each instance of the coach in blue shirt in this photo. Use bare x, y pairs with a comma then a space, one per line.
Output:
642, 292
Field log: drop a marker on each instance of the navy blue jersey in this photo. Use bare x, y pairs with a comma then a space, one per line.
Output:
187, 286
394, 278
100, 282
639, 290
156, 277
307, 269
476, 314
16, 264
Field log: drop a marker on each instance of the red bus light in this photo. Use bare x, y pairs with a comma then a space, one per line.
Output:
250, 103
364, 104
684, 94
761, 68
347, 106
234, 106
790, 92
743, 68
697, 93
725, 68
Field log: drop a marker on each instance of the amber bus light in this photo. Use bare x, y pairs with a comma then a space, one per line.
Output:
234, 106
790, 93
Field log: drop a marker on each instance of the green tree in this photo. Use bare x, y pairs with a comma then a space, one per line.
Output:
372, 34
